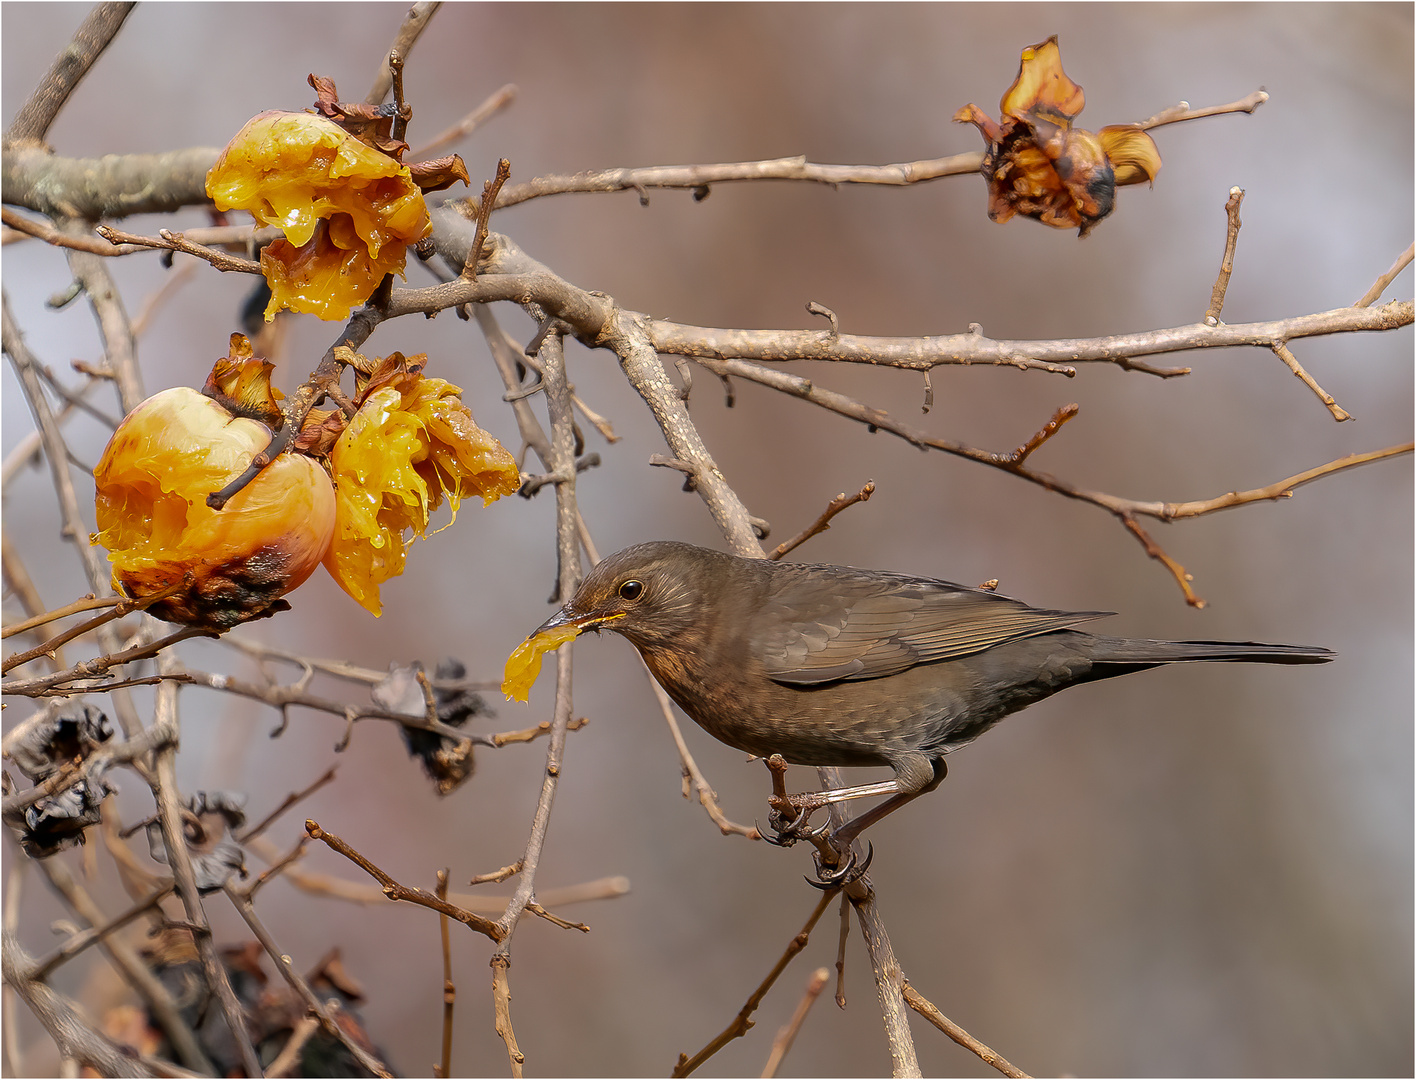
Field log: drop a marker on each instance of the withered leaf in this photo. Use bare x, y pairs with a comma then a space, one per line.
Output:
448, 762
321, 431
241, 382
74, 732
439, 173
370, 124
215, 855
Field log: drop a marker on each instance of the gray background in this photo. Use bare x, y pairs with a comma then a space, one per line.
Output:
1191, 872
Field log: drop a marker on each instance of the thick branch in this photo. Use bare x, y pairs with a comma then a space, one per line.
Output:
112, 186
75, 1037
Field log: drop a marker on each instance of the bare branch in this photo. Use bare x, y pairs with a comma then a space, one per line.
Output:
107, 187
1402, 262
743, 1020
923, 353
1177, 114
1283, 353
75, 1037
93, 36
414, 23
50, 235
1226, 264
394, 891
468, 124
821, 524
175, 241
179, 859
783, 1042
920, 1004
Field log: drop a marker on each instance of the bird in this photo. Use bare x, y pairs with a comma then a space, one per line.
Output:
839, 666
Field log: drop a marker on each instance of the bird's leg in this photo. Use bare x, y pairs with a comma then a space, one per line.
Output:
791, 812
842, 837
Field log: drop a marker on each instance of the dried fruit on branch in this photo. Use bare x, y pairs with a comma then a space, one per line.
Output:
1038, 165
348, 210
336, 184
152, 482
411, 443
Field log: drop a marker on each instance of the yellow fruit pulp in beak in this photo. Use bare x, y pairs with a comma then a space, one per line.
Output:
524, 664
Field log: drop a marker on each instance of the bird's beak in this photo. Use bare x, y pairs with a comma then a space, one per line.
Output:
582, 622
524, 664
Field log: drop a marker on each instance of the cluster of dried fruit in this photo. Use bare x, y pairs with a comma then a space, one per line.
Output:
347, 494
1038, 165
352, 486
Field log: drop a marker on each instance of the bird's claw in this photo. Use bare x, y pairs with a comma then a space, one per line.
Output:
842, 875
788, 833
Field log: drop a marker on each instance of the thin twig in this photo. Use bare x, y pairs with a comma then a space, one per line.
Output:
484, 213
54, 448
134, 970
297, 983
94, 934
1403, 261
93, 36
176, 241
117, 610
926, 1009
692, 774
293, 799
394, 891
783, 1042
289, 1055
411, 29
179, 859
50, 235
821, 524
743, 1021
449, 987
501, 1002
468, 124
75, 1037
1226, 264
59, 682
1049, 429
1283, 353
120, 348
1177, 114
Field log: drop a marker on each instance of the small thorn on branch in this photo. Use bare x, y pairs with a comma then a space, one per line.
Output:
1226, 265
688, 468
532, 484
827, 314
1051, 428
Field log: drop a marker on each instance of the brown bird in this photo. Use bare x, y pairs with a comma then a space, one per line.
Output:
830, 665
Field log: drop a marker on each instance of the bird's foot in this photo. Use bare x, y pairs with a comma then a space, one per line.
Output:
789, 823
839, 876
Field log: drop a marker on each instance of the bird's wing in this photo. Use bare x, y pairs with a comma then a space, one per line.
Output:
822, 627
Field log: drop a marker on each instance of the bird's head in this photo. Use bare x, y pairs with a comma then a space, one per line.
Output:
654, 594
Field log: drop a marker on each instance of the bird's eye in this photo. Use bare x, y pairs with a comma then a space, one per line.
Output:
631, 589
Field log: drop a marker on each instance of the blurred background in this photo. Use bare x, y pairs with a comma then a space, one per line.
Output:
1188, 872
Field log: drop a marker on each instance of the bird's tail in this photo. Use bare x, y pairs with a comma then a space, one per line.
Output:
1141, 653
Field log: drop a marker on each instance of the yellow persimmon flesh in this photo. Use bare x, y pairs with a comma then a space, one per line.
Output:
348, 210
152, 482
408, 446
524, 664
